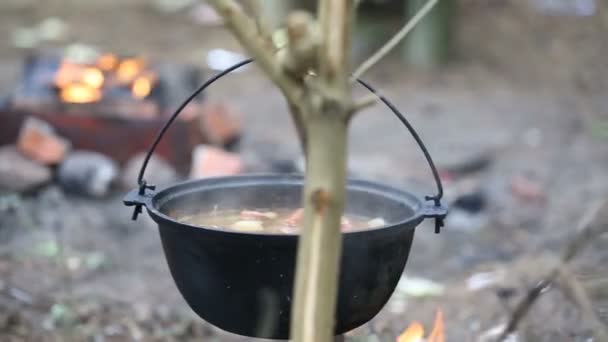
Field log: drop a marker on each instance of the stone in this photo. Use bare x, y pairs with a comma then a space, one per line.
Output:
18, 173
87, 173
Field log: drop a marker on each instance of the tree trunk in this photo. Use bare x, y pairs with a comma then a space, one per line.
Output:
319, 249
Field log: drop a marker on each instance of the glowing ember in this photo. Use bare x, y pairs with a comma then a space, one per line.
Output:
92, 77
80, 93
107, 62
129, 68
67, 73
415, 331
141, 87
84, 83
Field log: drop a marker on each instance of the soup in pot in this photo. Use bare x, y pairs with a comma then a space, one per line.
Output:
275, 221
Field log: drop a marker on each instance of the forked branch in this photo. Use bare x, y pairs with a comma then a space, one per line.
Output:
321, 106
246, 31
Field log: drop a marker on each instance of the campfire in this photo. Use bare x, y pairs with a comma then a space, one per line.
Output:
108, 74
415, 331
114, 105
103, 85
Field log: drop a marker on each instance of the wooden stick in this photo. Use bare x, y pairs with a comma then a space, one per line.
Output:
325, 119
336, 20
321, 107
577, 293
593, 223
398, 37
250, 34
364, 103
263, 29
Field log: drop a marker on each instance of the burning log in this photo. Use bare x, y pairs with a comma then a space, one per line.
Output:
107, 86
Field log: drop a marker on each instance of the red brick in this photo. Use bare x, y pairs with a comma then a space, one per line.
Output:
527, 189
220, 123
210, 161
38, 141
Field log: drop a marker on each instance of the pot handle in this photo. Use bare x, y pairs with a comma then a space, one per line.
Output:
139, 197
436, 210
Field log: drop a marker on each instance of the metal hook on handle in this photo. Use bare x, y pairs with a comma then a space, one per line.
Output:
437, 211
439, 215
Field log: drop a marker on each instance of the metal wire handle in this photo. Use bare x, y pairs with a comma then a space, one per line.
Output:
435, 198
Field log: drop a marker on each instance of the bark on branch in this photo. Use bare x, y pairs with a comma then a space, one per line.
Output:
321, 106
326, 118
250, 34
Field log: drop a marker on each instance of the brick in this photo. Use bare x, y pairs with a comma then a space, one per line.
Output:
38, 141
220, 123
18, 173
526, 189
208, 161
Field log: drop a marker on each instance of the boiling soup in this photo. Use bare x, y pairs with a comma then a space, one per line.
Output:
275, 221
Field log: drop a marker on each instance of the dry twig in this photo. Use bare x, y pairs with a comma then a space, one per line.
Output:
593, 223
384, 50
577, 293
250, 34
364, 103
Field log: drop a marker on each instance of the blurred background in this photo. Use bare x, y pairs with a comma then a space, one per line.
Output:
510, 97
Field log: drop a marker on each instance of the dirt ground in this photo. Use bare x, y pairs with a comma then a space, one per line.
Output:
526, 89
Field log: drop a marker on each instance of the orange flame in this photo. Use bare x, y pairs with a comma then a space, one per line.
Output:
80, 93
67, 73
92, 77
84, 83
415, 331
107, 62
142, 86
129, 68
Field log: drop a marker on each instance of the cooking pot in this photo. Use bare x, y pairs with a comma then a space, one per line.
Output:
242, 282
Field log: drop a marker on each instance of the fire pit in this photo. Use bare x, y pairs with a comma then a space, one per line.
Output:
242, 282
99, 103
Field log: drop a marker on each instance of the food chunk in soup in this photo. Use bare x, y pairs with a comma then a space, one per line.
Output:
277, 221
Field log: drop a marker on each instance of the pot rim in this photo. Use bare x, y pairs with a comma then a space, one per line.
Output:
158, 198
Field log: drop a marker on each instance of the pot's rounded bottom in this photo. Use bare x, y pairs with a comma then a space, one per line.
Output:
242, 282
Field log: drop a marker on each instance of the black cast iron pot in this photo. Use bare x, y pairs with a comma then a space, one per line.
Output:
243, 282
